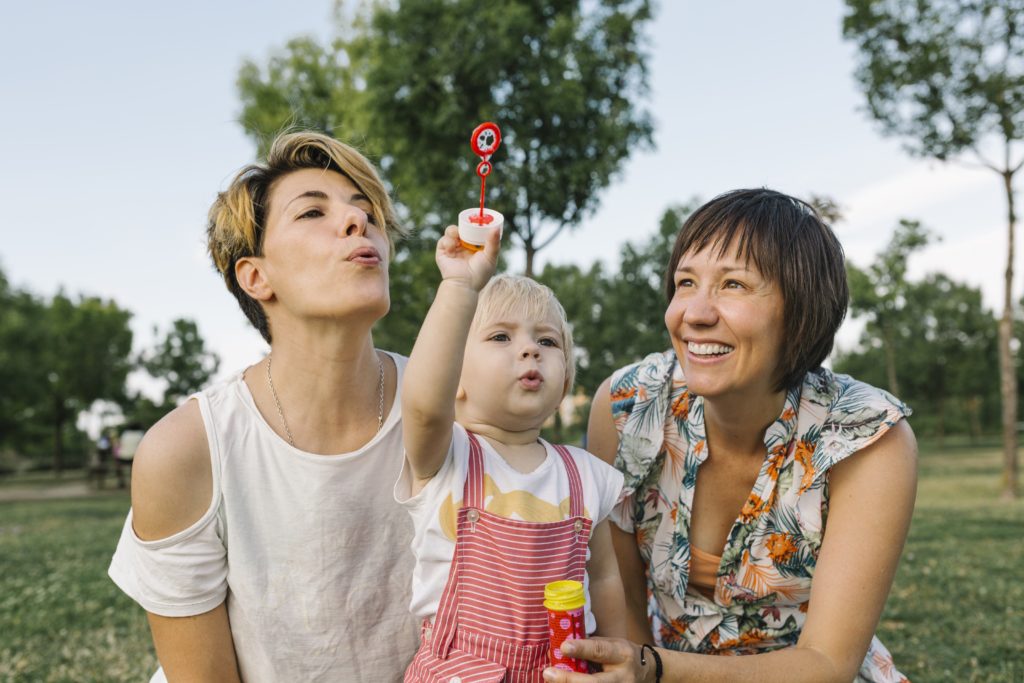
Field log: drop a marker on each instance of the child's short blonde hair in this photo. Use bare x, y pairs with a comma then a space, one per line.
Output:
516, 294
237, 220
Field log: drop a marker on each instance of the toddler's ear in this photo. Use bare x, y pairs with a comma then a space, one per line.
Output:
460, 394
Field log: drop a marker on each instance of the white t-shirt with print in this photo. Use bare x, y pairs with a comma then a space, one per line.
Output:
538, 496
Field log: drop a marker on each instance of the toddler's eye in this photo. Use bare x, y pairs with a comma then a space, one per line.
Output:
499, 337
549, 341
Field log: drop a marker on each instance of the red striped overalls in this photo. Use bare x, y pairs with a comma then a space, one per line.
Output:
491, 624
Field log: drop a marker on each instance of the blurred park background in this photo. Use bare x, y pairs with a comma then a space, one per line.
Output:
901, 120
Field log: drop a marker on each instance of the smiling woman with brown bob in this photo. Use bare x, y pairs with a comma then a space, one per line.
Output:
768, 499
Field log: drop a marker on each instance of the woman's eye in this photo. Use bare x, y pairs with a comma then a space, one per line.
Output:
499, 337
311, 213
733, 284
684, 282
370, 218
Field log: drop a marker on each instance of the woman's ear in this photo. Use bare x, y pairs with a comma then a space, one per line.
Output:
460, 393
252, 278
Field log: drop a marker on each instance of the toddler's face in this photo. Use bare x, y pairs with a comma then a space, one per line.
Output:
513, 375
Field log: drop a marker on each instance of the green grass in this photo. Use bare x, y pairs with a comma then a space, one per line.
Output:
39, 479
61, 618
956, 611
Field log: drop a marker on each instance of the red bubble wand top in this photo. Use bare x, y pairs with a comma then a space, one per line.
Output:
485, 140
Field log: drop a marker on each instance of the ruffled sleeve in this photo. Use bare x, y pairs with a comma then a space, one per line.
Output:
840, 416
640, 395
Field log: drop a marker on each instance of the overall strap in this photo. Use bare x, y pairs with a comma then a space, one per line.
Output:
473, 491
575, 483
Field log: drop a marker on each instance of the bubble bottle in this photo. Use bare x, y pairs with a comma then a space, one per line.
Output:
564, 601
476, 223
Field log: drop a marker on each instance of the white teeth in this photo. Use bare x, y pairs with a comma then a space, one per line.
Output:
707, 349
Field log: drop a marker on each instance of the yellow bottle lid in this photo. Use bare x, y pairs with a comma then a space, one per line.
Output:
562, 596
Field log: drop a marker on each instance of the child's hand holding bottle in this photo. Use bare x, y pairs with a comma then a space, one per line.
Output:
461, 266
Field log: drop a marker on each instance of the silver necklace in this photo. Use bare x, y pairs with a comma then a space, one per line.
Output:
380, 398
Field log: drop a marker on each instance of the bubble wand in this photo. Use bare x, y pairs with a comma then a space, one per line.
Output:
475, 224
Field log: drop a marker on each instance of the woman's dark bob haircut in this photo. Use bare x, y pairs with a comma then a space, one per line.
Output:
795, 249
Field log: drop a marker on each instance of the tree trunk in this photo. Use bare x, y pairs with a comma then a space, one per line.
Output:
58, 437
1007, 369
890, 362
530, 252
973, 407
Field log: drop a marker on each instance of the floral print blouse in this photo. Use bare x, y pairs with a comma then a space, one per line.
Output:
764, 580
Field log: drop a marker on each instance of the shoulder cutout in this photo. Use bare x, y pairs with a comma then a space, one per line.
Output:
172, 480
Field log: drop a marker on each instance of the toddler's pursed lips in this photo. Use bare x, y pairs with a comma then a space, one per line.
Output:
531, 380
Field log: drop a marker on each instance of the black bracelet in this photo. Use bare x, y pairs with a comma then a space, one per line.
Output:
657, 660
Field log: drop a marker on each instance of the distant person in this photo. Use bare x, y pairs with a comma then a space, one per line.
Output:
264, 540
768, 498
125, 448
102, 459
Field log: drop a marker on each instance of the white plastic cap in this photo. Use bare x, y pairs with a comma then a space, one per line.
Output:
476, 233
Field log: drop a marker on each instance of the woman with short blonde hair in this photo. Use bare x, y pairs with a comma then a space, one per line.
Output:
263, 539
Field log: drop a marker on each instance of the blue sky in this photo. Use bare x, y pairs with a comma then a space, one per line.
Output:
119, 123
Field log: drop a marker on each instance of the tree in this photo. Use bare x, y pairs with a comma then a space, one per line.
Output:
182, 360
86, 354
946, 342
562, 83
414, 281
879, 294
22, 376
945, 75
304, 85
953, 348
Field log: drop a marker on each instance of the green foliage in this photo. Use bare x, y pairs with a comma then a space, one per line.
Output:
64, 355
22, 377
87, 355
60, 356
943, 74
304, 85
879, 294
932, 342
182, 360
414, 281
415, 77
